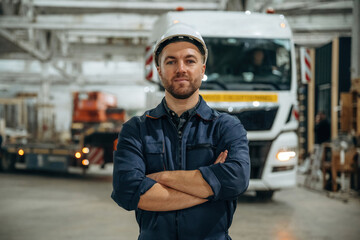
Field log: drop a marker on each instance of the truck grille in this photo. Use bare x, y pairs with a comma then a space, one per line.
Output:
257, 120
258, 151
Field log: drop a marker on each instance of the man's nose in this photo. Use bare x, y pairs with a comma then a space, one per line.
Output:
181, 67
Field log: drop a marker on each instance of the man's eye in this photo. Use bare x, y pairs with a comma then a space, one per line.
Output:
169, 62
191, 61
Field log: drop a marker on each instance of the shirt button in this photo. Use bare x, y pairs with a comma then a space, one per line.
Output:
179, 132
172, 113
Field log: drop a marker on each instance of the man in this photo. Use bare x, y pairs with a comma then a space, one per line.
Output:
322, 128
257, 64
182, 165
322, 135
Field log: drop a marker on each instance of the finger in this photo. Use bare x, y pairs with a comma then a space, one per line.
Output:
219, 158
224, 156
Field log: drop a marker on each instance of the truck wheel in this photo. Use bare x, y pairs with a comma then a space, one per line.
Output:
264, 195
7, 163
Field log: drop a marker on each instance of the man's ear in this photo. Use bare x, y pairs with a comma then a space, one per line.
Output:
203, 69
159, 71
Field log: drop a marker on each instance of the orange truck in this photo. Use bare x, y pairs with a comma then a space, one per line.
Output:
96, 123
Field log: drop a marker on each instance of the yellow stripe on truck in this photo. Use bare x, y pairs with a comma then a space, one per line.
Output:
238, 97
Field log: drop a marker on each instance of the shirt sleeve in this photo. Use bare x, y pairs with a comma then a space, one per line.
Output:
228, 180
129, 179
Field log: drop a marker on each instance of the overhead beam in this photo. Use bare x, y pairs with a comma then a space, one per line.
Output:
90, 51
108, 33
100, 26
311, 39
321, 22
313, 6
127, 23
42, 56
37, 78
126, 5
96, 52
131, 25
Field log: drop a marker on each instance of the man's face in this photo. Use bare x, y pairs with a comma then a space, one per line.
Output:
258, 57
181, 69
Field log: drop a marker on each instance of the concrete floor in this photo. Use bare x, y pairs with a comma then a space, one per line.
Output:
36, 206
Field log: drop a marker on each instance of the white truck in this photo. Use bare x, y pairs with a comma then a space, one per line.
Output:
250, 73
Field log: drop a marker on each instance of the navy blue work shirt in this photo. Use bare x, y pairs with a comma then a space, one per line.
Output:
151, 143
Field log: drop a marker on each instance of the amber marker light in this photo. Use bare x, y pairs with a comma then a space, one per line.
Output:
85, 162
78, 155
85, 150
21, 152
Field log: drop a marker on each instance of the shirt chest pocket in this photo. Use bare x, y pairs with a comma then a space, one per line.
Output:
198, 155
154, 157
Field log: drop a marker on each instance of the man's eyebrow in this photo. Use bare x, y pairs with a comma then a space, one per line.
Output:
190, 56
169, 57
187, 56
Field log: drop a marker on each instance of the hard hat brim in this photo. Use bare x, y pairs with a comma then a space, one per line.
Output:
179, 38
177, 33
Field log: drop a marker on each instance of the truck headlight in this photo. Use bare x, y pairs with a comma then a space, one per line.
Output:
285, 155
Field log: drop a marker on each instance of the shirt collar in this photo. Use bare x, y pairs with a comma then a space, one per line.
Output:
201, 109
185, 114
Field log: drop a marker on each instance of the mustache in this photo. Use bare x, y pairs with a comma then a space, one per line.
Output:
181, 75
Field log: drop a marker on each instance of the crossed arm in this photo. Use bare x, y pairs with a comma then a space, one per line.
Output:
176, 190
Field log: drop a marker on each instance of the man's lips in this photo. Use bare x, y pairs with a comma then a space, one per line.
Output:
181, 79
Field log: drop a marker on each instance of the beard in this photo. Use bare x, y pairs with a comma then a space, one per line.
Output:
180, 91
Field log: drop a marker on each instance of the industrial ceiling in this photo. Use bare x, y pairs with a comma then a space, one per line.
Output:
61, 38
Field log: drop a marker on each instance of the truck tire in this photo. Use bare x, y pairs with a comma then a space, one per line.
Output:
265, 195
7, 162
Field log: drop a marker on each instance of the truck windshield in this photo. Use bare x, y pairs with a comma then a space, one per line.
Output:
247, 64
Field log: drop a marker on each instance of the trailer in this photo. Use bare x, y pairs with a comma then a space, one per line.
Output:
31, 142
41, 156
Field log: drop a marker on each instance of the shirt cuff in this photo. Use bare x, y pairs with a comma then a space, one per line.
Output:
128, 200
145, 185
212, 180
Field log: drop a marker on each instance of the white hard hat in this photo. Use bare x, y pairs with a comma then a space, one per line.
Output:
177, 33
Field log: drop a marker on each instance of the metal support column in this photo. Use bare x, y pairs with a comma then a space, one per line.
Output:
355, 41
334, 87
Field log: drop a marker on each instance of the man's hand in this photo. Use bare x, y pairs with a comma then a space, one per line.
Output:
222, 157
190, 181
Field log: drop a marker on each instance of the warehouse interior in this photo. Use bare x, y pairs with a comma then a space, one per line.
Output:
56, 56
53, 47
